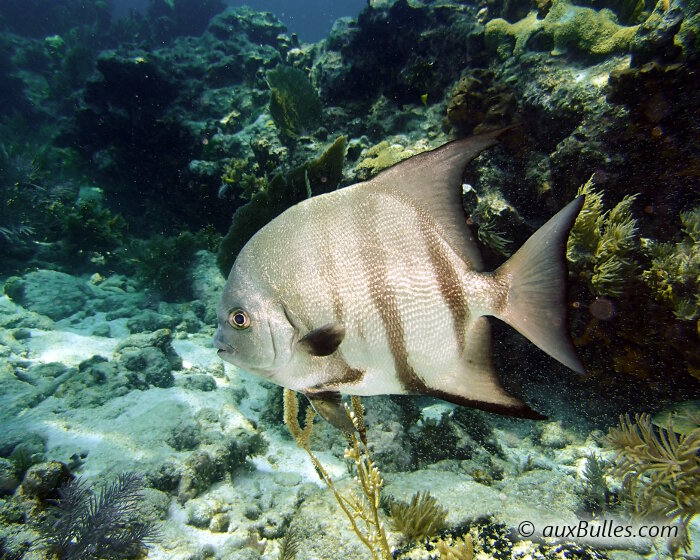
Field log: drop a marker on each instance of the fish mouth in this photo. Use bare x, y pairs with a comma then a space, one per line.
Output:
226, 355
222, 348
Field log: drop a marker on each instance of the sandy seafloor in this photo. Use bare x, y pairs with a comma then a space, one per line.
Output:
245, 516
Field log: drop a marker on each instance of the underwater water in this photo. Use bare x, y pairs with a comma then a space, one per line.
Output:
512, 318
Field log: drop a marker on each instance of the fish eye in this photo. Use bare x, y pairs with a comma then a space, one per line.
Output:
238, 319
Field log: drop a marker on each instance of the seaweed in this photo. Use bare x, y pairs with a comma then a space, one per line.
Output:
660, 470
163, 263
602, 244
84, 526
419, 519
87, 227
674, 274
21, 192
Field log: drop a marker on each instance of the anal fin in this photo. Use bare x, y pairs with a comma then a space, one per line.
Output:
474, 382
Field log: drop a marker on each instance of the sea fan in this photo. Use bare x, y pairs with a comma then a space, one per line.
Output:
85, 526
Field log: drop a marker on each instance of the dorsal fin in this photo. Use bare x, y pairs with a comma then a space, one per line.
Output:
432, 179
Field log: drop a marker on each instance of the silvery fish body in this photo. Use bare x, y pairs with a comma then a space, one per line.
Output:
377, 288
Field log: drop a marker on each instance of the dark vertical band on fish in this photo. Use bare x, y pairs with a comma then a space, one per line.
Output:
374, 263
448, 279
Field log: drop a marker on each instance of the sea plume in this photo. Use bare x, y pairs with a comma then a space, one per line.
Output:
105, 526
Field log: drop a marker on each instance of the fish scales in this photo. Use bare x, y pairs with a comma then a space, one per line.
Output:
377, 289
384, 283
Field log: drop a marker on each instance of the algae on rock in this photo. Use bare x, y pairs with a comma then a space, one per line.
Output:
595, 33
383, 155
509, 39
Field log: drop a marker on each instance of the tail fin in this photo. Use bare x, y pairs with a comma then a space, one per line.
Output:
536, 301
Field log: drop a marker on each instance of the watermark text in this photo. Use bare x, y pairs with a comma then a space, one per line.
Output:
594, 530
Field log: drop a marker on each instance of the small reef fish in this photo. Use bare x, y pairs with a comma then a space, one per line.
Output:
378, 288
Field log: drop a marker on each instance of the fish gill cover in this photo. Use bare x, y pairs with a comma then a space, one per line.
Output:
139, 148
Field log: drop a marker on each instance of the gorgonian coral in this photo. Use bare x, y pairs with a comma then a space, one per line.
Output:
602, 243
659, 468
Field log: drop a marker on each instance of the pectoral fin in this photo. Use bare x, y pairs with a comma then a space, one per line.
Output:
324, 340
329, 406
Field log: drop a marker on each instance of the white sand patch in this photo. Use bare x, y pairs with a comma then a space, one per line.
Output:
283, 456
197, 351
67, 347
129, 431
126, 433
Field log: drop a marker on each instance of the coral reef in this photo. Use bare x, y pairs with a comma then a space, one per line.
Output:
132, 109
401, 52
173, 18
479, 102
